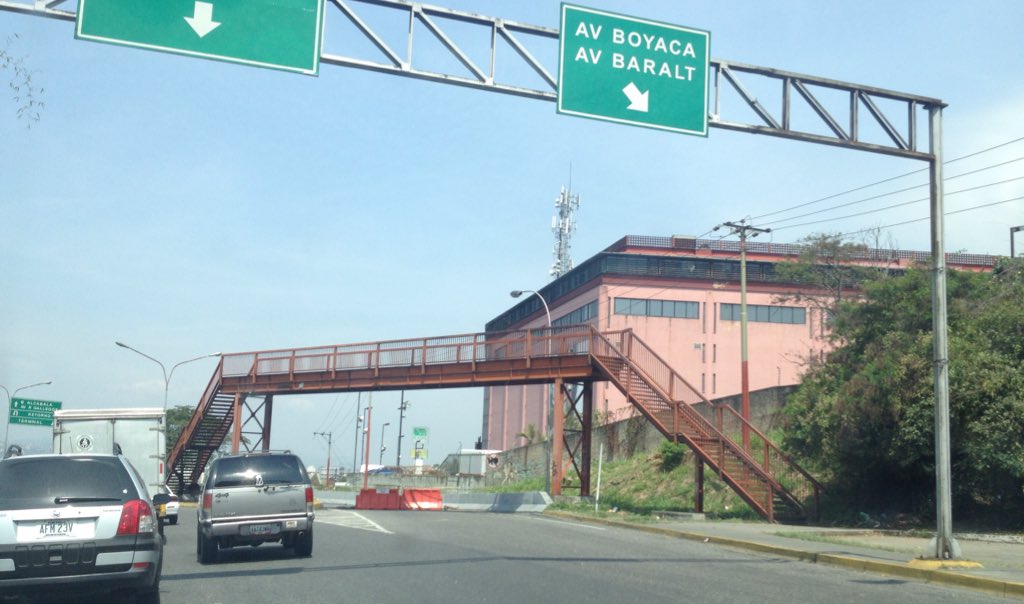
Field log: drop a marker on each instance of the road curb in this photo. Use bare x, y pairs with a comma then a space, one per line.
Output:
1008, 589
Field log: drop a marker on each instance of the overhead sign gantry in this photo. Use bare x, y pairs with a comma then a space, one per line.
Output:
895, 118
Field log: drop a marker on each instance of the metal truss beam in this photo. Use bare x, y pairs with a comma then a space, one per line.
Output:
845, 127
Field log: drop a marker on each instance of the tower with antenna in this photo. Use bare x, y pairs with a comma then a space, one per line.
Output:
563, 225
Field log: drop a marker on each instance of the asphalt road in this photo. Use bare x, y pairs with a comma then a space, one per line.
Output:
455, 557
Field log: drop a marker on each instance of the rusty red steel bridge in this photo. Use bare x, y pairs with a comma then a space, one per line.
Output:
239, 399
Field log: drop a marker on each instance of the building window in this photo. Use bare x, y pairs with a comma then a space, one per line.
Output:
580, 315
657, 308
791, 315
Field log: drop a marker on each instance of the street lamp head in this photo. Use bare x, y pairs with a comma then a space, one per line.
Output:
122, 344
516, 293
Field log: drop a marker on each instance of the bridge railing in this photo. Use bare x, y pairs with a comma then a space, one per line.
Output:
466, 348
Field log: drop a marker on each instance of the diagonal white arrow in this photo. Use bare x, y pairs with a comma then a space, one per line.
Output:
202, 20
637, 99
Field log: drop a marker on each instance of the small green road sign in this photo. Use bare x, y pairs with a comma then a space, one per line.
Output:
633, 71
281, 34
32, 412
421, 442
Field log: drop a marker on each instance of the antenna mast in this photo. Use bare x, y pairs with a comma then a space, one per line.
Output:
563, 225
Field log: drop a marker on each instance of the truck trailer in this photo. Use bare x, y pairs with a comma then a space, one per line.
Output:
137, 433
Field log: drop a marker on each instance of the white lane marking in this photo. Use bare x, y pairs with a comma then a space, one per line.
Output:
353, 520
567, 523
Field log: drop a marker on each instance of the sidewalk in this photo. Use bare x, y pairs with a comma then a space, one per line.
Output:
993, 564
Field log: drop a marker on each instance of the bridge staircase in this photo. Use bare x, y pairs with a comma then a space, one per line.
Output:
203, 435
769, 481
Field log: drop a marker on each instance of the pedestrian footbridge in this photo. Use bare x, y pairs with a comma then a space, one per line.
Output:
239, 400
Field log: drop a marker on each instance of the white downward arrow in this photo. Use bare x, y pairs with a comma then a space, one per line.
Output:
637, 99
202, 21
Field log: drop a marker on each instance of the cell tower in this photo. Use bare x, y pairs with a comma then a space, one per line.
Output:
563, 225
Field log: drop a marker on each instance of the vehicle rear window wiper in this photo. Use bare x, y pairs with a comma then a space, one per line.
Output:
84, 499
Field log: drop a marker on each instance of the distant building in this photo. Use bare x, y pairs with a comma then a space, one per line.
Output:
681, 295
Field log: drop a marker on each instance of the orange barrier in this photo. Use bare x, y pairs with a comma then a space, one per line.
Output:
422, 499
378, 499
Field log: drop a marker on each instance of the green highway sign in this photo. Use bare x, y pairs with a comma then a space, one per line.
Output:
633, 71
32, 412
281, 34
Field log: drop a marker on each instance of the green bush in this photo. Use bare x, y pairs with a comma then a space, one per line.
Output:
671, 455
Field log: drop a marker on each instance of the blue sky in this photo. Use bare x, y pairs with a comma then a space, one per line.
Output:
186, 206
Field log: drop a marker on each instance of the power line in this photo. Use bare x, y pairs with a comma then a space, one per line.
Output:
978, 207
881, 195
882, 209
861, 188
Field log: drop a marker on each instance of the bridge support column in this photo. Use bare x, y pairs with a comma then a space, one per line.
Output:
698, 481
236, 426
557, 440
586, 449
268, 412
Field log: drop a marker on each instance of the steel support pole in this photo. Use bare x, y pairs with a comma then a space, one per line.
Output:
744, 357
945, 546
557, 439
236, 428
268, 414
586, 445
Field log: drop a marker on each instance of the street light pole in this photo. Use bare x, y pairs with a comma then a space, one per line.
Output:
742, 229
1014, 230
551, 390
402, 406
383, 447
10, 397
355, 441
329, 435
167, 376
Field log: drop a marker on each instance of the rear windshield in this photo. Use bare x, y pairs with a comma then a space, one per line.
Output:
257, 471
27, 483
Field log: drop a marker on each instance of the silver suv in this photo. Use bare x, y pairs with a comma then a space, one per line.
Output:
79, 524
254, 498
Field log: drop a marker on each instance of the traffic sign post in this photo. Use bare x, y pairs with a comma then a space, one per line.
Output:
280, 34
633, 71
32, 412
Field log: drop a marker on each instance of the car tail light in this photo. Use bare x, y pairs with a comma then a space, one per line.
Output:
136, 518
309, 499
207, 503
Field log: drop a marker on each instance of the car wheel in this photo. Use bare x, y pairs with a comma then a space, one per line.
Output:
303, 545
206, 548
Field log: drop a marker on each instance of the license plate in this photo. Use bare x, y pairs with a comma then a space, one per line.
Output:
162, 510
56, 528
257, 530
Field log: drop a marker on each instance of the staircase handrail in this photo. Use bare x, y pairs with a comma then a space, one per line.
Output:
197, 417
684, 408
764, 466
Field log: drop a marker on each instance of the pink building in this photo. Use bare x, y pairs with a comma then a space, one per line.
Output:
682, 297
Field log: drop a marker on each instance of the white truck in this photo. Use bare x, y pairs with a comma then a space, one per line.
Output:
140, 433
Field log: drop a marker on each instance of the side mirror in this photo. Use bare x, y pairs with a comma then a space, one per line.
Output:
161, 499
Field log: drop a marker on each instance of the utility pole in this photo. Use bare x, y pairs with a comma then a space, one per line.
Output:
329, 435
743, 229
355, 441
1014, 230
402, 406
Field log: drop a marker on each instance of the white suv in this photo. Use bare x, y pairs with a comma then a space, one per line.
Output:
77, 523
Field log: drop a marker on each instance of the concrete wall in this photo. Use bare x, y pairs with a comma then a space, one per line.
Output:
625, 438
